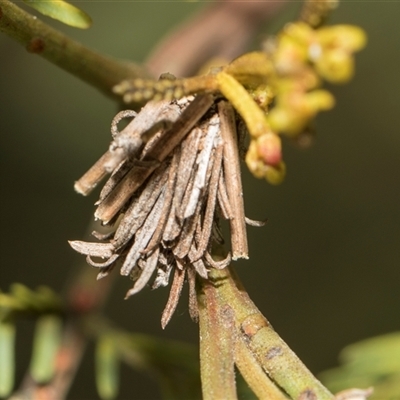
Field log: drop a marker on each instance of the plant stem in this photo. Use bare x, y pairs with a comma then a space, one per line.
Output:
217, 345
270, 351
96, 69
254, 375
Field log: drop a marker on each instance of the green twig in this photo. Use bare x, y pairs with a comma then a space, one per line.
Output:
217, 344
254, 375
270, 351
96, 69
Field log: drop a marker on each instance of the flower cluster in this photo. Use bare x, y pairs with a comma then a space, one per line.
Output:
302, 56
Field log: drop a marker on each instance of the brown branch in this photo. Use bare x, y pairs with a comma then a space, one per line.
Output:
113, 203
224, 30
233, 181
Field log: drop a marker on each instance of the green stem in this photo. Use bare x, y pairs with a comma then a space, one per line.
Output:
272, 353
217, 343
98, 70
254, 375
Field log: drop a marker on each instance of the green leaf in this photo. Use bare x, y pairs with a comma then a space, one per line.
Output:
62, 11
46, 343
24, 300
372, 362
7, 362
375, 356
107, 367
23, 295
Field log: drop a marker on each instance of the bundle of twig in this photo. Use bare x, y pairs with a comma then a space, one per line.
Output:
166, 194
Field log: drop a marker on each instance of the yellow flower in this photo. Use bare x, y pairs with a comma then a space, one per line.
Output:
292, 48
330, 49
294, 110
335, 62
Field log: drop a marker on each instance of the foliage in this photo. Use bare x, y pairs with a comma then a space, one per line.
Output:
61, 11
374, 362
46, 306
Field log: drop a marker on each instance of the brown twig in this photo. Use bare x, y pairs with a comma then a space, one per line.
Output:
113, 203
223, 29
233, 181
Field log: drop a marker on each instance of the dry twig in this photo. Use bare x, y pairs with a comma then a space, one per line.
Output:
168, 209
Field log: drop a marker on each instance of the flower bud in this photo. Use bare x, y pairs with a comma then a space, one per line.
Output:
269, 149
275, 175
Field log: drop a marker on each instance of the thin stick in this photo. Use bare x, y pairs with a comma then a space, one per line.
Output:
174, 294
211, 202
167, 142
233, 181
189, 227
143, 236
223, 200
139, 210
157, 236
204, 159
151, 264
120, 148
193, 307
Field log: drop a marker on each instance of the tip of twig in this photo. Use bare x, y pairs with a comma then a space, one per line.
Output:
236, 256
256, 223
82, 189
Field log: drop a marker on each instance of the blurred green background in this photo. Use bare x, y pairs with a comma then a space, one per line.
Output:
324, 270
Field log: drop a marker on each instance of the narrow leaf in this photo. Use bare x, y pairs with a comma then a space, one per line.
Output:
107, 367
62, 11
46, 343
7, 364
